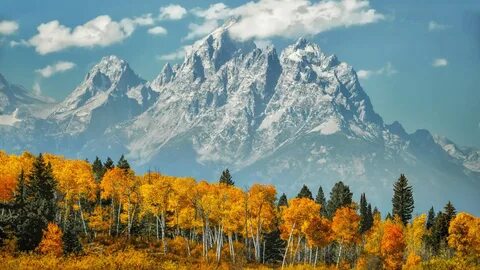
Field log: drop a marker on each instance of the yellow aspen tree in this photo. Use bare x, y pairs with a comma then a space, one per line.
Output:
296, 219
414, 234
260, 214
464, 235
345, 226
374, 236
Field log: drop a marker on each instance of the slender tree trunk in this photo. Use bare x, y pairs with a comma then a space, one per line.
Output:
315, 261
339, 254
81, 216
288, 245
162, 226
118, 216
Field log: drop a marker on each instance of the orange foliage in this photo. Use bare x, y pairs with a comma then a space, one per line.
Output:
393, 245
52, 241
345, 225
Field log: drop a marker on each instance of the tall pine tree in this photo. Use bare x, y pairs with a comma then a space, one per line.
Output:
430, 218
108, 165
71, 243
123, 163
39, 205
282, 201
305, 193
366, 215
320, 199
98, 169
226, 178
402, 200
339, 196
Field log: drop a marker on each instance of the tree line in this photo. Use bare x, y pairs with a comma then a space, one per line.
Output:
53, 205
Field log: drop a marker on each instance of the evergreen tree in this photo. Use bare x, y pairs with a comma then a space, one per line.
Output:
363, 213
305, 193
430, 218
20, 192
226, 178
39, 205
282, 201
402, 200
369, 219
438, 237
339, 196
388, 216
108, 165
98, 169
375, 211
320, 199
450, 211
71, 243
123, 163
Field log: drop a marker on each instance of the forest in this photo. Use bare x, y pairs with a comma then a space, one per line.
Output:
59, 213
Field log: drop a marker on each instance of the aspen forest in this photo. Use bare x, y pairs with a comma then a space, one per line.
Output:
59, 213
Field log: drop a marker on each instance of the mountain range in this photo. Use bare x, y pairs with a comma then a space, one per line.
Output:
290, 118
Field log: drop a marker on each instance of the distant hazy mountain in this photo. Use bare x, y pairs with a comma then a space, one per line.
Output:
291, 118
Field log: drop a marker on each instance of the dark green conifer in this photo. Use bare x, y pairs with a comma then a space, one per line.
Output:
305, 193
226, 178
402, 200
339, 196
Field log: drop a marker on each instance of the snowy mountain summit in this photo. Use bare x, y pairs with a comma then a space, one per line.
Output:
291, 118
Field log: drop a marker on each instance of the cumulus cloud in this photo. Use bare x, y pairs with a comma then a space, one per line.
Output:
435, 26
387, 70
172, 12
8, 27
101, 31
440, 62
285, 18
157, 30
58, 67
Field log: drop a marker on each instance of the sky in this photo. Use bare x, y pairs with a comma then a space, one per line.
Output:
419, 61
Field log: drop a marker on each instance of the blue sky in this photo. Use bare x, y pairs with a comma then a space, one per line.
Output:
419, 61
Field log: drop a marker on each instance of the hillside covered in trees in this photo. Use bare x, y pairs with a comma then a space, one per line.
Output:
73, 214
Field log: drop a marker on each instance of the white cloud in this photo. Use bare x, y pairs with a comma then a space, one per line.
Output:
157, 30
387, 70
8, 27
22, 42
200, 30
286, 18
176, 55
100, 31
172, 12
37, 90
440, 62
434, 26
58, 67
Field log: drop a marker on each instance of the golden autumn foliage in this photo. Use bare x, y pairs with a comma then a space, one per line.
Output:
345, 225
156, 221
393, 245
10, 168
464, 235
413, 262
51, 243
374, 236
